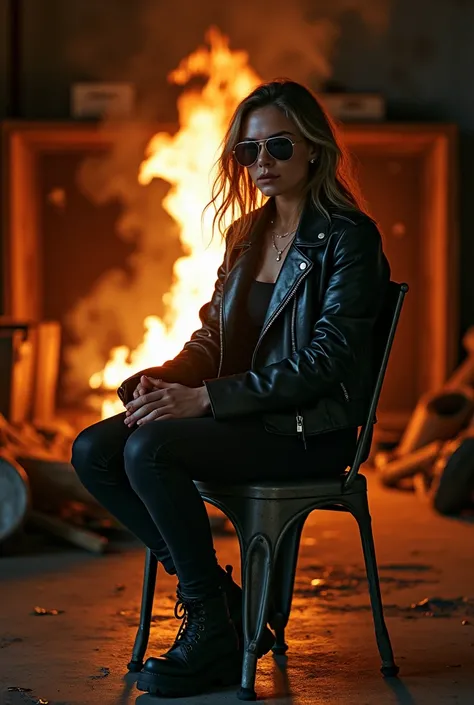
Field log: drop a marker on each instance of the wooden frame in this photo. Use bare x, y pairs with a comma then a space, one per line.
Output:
436, 144
22, 143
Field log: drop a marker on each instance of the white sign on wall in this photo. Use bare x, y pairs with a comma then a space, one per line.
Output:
100, 100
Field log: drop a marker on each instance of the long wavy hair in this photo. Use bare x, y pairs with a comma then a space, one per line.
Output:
330, 180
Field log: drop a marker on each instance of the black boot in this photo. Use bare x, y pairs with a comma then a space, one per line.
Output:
234, 600
205, 653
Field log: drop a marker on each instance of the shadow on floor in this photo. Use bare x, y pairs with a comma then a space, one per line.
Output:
401, 691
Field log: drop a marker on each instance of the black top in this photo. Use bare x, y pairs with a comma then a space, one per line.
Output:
258, 298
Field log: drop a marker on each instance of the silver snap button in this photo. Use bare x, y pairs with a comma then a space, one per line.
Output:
320, 236
303, 265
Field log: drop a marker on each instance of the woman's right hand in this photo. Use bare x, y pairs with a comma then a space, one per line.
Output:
145, 385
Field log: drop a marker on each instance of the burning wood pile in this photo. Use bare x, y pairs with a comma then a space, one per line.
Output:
435, 456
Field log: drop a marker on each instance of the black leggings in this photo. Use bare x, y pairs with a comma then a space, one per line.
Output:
144, 477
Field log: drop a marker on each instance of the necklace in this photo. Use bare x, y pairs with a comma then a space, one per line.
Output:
282, 250
283, 235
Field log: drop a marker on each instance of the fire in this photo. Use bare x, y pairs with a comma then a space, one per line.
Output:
186, 161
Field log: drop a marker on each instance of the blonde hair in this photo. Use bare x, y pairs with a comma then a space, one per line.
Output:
330, 181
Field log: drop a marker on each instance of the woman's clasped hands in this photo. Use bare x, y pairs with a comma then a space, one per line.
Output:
155, 400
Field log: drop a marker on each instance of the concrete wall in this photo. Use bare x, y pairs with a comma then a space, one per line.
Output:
418, 54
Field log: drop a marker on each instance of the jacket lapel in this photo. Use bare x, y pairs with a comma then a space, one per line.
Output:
312, 231
295, 267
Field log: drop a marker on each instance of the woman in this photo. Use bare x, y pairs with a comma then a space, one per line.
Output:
273, 385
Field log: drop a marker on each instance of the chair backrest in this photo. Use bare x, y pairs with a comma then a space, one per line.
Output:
384, 333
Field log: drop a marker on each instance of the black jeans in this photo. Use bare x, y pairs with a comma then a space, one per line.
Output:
144, 477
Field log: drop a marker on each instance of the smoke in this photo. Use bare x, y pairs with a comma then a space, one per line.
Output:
113, 312
299, 40
144, 40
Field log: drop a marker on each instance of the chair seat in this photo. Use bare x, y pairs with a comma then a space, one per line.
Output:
284, 490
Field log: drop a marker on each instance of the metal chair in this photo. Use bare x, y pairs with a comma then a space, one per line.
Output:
269, 517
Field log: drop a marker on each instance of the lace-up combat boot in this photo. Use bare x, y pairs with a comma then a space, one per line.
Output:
205, 653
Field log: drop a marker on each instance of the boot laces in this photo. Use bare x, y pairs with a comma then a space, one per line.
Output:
192, 614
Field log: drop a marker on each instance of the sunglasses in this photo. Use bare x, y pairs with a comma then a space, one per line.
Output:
279, 148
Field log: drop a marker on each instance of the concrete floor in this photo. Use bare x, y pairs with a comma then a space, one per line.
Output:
78, 657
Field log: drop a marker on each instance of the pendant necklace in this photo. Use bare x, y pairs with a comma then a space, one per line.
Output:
280, 251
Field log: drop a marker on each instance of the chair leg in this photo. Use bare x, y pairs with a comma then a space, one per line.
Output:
143, 633
283, 584
256, 579
280, 647
389, 667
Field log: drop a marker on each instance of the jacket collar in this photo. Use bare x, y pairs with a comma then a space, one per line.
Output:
313, 228
313, 223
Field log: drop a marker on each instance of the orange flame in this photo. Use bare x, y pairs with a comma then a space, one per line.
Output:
186, 161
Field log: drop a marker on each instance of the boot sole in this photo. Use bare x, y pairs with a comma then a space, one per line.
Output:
180, 686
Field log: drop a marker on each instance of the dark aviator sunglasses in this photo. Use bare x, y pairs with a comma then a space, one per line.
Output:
279, 148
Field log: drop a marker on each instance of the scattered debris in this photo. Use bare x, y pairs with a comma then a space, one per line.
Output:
9, 640
434, 607
332, 581
440, 607
26, 698
103, 673
132, 616
42, 612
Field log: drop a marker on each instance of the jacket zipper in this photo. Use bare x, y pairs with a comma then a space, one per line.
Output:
275, 314
299, 417
221, 334
344, 391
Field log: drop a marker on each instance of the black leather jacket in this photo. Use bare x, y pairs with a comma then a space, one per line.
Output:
312, 367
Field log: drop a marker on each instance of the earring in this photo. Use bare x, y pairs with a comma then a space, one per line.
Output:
312, 161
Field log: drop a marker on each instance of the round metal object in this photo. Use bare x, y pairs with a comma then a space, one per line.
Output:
14, 495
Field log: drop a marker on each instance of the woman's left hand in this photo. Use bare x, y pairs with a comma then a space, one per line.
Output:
167, 401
